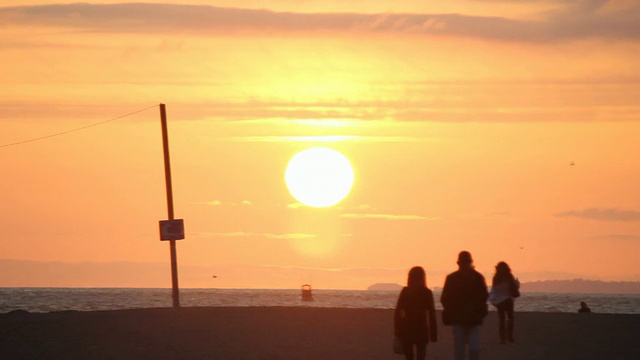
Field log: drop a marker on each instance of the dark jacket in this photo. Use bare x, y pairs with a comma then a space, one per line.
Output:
414, 308
464, 297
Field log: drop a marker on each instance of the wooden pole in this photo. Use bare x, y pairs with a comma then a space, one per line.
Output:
167, 175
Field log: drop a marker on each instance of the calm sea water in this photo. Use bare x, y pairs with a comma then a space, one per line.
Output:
86, 299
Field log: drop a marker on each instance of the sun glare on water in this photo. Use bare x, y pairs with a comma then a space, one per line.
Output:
319, 177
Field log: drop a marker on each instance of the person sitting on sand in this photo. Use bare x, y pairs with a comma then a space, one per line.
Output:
584, 308
504, 289
414, 308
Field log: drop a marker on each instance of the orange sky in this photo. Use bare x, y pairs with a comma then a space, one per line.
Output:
461, 120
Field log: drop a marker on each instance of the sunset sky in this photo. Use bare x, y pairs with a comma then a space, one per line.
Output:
510, 129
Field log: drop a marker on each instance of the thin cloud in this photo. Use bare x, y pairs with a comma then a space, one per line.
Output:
603, 214
387, 217
221, 203
616, 237
288, 236
367, 113
578, 20
366, 272
234, 234
325, 138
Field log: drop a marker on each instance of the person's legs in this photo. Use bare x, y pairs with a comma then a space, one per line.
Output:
474, 342
459, 341
510, 321
421, 350
502, 327
408, 350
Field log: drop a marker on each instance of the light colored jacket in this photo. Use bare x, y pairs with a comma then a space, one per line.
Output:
501, 292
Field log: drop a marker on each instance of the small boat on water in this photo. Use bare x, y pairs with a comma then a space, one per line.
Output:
306, 293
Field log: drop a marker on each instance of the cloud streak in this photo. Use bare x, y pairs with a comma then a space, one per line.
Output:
386, 217
574, 22
603, 214
242, 234
623, 237
221, 203
327, 138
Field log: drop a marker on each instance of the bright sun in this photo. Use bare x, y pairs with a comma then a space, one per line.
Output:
319, 177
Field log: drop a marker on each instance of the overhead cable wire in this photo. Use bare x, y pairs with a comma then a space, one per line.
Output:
76, 129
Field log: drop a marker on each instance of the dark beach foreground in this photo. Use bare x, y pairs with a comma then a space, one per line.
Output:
295, 333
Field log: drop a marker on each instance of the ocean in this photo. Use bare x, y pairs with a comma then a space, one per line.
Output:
90, 299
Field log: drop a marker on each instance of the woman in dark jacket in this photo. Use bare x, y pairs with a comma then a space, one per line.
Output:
415, 315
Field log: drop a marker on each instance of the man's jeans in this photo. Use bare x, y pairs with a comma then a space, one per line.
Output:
463, 335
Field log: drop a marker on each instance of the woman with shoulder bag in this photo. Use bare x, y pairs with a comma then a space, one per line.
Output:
504, 289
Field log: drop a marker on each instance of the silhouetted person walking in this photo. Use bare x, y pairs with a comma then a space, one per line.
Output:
504, 289
464, 299
415, 315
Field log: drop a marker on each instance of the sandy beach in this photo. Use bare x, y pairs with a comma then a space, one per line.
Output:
295, 333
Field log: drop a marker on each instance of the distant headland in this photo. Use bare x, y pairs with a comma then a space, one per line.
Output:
582, 286
385, 286
578, 286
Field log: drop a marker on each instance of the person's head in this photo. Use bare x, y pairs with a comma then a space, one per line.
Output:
465, 260
503, 273
417, 277
583, 304
503, 268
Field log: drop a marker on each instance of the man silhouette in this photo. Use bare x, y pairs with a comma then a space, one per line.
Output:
464, 298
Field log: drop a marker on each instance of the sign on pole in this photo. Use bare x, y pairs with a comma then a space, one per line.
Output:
172, 229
